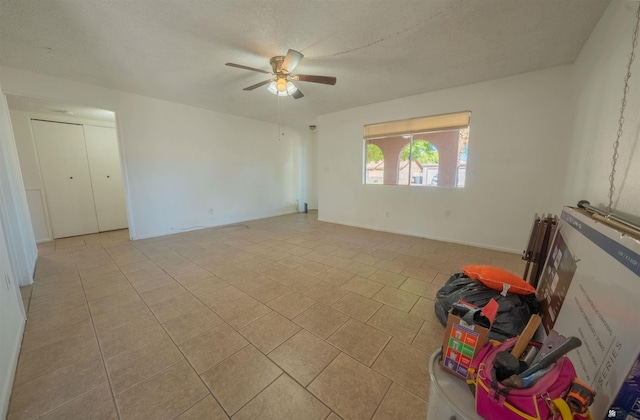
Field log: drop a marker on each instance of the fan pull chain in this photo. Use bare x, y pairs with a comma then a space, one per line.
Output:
280, 118
616, 143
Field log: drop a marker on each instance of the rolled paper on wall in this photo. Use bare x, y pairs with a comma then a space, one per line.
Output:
616, 225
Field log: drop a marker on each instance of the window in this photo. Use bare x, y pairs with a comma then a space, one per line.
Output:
427, 151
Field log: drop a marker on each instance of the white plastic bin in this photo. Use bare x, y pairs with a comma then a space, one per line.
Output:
449, 397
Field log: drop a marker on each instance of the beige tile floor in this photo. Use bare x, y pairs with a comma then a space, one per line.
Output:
280, 318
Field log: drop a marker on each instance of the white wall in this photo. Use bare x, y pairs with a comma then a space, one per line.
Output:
517, 152
30, 170
17, 257
308, 174
180, 161
183, 161
312, 172
599, 80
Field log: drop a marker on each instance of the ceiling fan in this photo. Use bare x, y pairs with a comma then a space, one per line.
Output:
282, 82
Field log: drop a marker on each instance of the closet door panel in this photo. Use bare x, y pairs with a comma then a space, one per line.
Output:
106, 176
65, 174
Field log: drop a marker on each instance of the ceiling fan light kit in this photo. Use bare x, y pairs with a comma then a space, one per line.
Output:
282, 84
282, 87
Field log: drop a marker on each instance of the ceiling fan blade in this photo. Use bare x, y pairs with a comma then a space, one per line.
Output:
297, 94
327, 80
240, 66
257, 85
291, 60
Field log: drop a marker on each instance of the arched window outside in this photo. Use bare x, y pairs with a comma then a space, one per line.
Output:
374, 164
419, 163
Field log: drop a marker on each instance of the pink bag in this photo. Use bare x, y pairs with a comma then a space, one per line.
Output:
495, 401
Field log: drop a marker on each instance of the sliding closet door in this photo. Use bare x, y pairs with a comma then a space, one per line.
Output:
65, 174
106, 177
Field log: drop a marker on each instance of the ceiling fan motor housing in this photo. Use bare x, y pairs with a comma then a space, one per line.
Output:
281, 74
276, 65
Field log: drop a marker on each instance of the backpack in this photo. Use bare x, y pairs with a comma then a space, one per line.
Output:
544, 400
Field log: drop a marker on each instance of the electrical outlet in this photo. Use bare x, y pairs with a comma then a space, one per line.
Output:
211, 212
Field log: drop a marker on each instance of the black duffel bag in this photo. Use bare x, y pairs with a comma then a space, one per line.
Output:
514, 310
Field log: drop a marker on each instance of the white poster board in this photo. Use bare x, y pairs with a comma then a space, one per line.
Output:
590, 288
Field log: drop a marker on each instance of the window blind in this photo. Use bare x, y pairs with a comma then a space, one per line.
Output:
418, 125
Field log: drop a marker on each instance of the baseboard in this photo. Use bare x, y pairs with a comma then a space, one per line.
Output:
434, 238
177, 230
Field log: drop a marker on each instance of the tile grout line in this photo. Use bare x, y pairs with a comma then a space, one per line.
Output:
185, 358
225, 322
104, 360
392, 381
255, 396
382, 399
150, 377
196, 403
95, 332
85, 304
172, 340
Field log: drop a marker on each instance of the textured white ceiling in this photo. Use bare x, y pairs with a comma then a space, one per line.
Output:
378, 49
41, 106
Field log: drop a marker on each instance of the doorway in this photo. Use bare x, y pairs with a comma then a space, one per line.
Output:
71, 167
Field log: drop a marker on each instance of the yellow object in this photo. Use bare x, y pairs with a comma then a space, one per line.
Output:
561, 407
